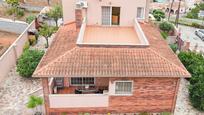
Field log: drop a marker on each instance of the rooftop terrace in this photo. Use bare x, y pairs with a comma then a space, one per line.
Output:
110, 35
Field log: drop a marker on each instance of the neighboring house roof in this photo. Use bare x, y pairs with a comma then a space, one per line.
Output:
65, 58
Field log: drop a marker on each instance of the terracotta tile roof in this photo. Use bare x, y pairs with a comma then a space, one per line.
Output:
64, 58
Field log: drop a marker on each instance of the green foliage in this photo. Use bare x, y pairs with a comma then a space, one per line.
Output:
158, 15
194, 63
174, 47
144, 113
193, 14
26, 46
165, 113
196, 25
47, 31
166, 26
32, 40
55, 13
28, 61
164, 34
13, 3
30, 18
19, 12
34, 101
15, 11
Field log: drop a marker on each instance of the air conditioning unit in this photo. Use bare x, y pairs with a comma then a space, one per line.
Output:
82, 4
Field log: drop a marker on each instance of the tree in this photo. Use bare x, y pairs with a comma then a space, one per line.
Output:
34, 102
28, 62
46, 31
13, 3
166, 26
55, 13
158, 14
194, 63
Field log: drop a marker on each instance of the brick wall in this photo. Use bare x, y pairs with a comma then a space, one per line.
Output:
149, 95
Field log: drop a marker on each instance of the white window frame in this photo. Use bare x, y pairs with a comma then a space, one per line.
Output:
129, 94
70, 81
143, 14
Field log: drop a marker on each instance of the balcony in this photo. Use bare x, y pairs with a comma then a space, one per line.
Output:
62, 96
112, 35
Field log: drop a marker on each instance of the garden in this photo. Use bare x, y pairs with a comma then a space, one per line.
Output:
11, 10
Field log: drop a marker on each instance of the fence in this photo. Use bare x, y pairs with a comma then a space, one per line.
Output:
9, 58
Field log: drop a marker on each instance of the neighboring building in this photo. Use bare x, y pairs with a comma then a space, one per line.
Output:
103, 60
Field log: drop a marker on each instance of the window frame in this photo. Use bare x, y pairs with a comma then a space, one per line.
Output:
70, 81
123, 94
143, 13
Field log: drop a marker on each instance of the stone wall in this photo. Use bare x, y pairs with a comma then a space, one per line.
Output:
42, 2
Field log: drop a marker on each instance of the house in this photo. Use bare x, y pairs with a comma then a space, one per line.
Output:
107, 58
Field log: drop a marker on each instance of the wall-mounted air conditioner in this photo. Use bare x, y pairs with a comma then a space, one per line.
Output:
82, 4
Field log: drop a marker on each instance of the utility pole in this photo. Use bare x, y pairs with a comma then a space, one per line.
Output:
177, 16
170, 9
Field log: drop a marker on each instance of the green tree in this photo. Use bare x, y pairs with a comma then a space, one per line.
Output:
194, 63
28, 62
34, 102
158, 15
55, 13
166, 26
47, 31
13, 3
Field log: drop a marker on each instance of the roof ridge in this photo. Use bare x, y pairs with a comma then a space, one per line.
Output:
182, 69
67, 52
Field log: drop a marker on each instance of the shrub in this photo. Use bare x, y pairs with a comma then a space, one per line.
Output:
166, 26
32, 40
34, 102
20, 12
30, 18
174, 47
164, 35
26, 46
28, 61
194, 63
158, 14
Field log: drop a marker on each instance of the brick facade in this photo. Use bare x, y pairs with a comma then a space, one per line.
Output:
149, 95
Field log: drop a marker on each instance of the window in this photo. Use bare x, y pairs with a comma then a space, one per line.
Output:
123, 87
140, 12
79, 81
110, 15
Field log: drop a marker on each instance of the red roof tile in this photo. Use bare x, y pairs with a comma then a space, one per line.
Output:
64, 58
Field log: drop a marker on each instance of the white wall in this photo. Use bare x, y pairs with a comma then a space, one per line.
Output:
127, 13
68, 7
78, 100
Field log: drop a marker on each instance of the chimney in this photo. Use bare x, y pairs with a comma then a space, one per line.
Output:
78, 17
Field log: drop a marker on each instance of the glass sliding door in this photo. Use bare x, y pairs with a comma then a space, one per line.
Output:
106, 15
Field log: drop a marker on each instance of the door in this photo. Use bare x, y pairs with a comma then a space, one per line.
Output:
106, 15
115, 16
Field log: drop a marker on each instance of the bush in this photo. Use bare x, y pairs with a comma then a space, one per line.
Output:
26, 46
28, 61
158, 14
166, 26
174, 47
30, 18
20, 12
32, 40
194, 63
164, 35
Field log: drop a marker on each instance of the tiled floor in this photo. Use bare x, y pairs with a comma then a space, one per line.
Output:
110, 35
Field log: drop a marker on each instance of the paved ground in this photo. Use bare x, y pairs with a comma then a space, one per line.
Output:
183, 106
188, 33
14, 94
15, 90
